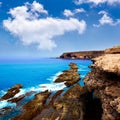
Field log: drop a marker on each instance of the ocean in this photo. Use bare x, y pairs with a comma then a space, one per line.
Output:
36, 75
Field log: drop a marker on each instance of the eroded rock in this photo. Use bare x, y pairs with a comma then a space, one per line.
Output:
70, 76
12, 92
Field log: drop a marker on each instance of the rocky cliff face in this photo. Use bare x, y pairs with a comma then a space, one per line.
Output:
82, 55
104, 81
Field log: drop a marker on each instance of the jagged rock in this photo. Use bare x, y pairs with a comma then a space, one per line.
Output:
70, 76
104, 80
66, 107
32, 108
12, 92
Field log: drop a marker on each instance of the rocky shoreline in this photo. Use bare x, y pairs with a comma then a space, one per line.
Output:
98, 99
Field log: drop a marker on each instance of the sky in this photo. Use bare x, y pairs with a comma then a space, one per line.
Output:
48, 28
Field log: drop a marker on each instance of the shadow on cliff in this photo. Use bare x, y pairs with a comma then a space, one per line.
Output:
93, 107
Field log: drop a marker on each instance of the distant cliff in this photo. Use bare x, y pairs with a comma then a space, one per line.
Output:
90, 54
82, 55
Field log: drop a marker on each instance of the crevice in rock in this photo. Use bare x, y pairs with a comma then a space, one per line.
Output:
93, 108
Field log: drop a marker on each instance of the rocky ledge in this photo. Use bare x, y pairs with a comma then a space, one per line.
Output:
104, 82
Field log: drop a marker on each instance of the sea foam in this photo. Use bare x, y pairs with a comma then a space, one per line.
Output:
4, 104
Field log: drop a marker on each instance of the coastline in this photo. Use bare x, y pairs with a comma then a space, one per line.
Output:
76, 102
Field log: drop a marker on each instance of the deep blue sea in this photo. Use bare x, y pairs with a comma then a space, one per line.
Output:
37, 75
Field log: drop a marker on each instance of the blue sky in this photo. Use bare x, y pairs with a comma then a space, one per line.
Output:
47, 28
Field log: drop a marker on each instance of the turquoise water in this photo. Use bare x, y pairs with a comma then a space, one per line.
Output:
31, 73
34, 75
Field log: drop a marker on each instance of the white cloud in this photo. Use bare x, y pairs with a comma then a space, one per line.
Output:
27, 24
69, 13
96, 2
79, 10
106, 19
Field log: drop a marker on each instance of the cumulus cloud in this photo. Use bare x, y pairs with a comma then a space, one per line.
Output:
96, 2
69, 13
106, 19
32, 24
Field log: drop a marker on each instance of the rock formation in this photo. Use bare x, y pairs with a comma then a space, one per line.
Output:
63, 105
70, 76
12, 92
82, 55
104, 80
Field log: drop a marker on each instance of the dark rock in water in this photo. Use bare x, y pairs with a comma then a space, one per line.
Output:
70, 76
104, 80
12, 92
32, 108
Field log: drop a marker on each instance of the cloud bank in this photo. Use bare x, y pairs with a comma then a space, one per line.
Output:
96, 2
32, 25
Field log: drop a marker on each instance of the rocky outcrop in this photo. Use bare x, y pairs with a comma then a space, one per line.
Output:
33, 107
108, 63
104, 81
114, 50
82, 55
70, 76
12, 92
63, 105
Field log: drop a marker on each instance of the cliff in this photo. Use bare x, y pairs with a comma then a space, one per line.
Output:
90, 54
82, 55
104, 81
